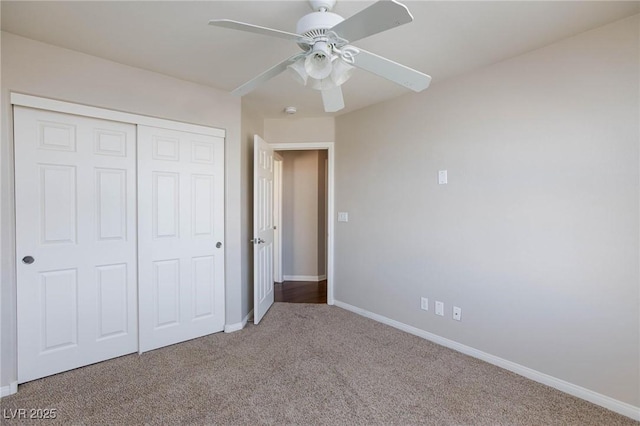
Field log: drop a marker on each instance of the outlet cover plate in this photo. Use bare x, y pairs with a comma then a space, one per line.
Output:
424, 303
439, 308
457, 313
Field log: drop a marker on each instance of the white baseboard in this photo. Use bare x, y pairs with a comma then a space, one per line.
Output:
10, 389
314, 278
230, 328
562, 385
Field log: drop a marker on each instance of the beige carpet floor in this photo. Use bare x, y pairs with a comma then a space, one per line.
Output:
304, 364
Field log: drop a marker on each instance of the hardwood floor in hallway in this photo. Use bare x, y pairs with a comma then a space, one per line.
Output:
301, 292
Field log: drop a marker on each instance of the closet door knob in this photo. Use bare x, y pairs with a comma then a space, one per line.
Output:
28, 260
218, 244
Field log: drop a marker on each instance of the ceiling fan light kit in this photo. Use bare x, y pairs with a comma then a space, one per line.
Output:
325, 67
328, 60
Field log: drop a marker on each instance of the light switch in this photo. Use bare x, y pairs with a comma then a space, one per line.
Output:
343, 216
442, 177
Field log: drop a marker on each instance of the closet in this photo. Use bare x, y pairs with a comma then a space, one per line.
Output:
119, 234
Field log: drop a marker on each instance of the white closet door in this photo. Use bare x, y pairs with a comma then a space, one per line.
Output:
180, 236
75, 241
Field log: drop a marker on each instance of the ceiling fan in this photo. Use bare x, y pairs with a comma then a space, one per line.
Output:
328, 59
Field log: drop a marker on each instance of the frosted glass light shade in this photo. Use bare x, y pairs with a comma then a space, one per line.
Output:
323, 84
318, 65
298, 72
341, 72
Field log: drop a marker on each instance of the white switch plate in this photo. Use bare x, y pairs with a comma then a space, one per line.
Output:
343, 216
457, 313
442, 177
439, 308
424, 303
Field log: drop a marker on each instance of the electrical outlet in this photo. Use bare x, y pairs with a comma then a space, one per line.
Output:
424, 304
439, 308
457, 313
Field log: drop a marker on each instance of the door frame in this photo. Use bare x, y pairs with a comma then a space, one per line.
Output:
277, 205
330, 148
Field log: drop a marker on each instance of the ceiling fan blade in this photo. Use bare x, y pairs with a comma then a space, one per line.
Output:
257, 29
378, 17
400, 74
332, 99
264, 77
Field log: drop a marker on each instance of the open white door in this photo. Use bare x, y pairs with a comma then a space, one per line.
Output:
262, 228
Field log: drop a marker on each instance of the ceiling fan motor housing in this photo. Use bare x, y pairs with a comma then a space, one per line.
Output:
315, 24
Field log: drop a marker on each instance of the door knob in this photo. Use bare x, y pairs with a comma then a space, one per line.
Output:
28, 260
218, 244
260, 241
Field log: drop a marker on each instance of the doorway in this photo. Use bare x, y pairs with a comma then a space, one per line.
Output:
263, 219
328, 147
300, 218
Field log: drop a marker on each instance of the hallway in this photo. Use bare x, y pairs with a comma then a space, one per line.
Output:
301, 292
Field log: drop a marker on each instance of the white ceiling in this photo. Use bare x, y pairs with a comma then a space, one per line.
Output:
447, 38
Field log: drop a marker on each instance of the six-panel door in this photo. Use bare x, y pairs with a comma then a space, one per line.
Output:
263, 233
180, 236
75, 241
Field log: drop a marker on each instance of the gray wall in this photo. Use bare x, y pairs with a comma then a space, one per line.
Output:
40, 69
299, 130
303, 216
536, 236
